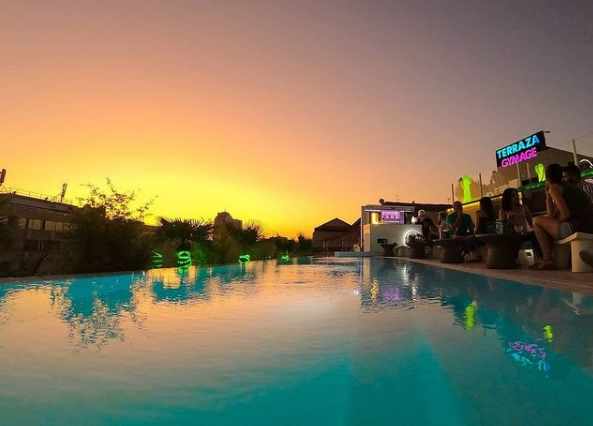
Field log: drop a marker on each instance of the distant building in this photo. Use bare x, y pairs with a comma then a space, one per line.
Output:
336, 235
36, 227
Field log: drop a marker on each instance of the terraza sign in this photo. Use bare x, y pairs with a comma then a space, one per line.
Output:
523, 150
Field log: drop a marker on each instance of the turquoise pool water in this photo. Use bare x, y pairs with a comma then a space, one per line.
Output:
324, 342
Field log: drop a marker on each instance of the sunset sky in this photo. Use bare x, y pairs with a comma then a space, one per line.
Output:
286, 112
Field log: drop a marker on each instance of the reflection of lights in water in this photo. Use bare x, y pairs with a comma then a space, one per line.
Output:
374, 291
548, 333
470, 315
529, 355
392, 294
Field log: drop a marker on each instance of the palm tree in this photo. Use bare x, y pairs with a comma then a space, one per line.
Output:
197, 230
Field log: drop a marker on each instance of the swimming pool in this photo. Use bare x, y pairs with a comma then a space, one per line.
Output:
315, 342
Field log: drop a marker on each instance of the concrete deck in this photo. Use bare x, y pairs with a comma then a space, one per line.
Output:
564, 280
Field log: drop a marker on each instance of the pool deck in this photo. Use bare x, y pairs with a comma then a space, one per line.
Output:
566, 280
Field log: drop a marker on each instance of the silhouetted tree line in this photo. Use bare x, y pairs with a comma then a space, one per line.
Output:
110, 235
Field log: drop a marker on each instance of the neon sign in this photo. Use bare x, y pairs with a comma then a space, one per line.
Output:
523, 150
392, 216
466, 185
540, 170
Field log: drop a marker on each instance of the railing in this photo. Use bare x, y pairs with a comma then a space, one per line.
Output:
36, 195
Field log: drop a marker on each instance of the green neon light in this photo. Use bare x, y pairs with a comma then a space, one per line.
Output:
183, 258
540, 170
548, 333
244, 258
156, 259
285, 258
532, 186
466, 186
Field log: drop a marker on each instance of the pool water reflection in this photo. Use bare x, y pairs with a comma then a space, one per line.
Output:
326, 341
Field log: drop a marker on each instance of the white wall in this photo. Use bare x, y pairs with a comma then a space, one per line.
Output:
392, 232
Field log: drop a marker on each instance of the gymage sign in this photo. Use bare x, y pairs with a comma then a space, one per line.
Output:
523, 150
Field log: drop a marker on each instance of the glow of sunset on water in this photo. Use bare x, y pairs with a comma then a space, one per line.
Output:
289, 113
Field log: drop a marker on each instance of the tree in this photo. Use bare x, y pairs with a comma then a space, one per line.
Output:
109, 233
116, 204
197, 230
304, 245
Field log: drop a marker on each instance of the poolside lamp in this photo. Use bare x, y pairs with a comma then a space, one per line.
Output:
183, 258
156, 259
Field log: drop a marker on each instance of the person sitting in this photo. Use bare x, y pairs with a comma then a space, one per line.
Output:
519, 217
486, 223
429, 229
572, 175
515, 212
460, 223
568, 210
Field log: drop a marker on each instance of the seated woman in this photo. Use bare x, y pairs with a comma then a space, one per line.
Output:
519, 217
515, 212
486, 223
569, 210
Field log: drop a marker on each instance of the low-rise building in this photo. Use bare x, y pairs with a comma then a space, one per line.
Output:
33, 228
336, 235
391, 222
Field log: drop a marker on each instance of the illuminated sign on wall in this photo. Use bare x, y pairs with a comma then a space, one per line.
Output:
523, 150
392, 216
540, 170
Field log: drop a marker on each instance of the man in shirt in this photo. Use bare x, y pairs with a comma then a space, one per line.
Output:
461, 223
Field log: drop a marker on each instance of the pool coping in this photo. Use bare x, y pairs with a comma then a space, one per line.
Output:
562, 280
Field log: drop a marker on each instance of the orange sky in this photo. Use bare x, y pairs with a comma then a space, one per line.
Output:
288, 115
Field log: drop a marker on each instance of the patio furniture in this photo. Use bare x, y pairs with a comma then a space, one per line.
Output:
417, 246
388, 249
502, 250
452, 249
579, 241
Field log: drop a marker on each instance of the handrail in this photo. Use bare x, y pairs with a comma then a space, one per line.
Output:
36, 195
